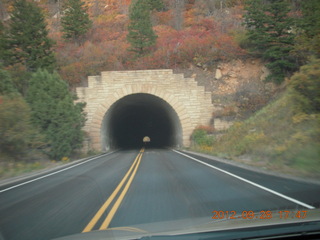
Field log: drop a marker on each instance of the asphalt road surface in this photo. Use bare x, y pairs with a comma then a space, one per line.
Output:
127, 188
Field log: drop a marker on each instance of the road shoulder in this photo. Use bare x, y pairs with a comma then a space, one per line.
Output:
38, 173
251, 168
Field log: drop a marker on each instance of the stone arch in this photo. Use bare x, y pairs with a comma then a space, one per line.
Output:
191, 103
104, 106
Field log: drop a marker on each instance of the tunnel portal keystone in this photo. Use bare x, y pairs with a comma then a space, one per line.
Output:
190, 102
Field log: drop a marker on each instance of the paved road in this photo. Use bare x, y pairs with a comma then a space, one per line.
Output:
133, 187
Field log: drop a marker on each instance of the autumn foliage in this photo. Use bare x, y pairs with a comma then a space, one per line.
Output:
105, 47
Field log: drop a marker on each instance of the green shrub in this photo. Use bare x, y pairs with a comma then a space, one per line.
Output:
201, 138
306, 82
17, 133
242, 39
55, 113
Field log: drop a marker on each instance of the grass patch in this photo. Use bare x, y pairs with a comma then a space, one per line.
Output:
12, 169
279, 137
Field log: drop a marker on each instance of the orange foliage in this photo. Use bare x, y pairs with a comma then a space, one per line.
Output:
163, 18
106, 47
189, 17
203, 39
208, 129
72, 73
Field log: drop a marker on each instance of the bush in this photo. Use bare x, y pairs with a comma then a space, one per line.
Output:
54, 112
16, 131
306, 82
241, 38
201, 138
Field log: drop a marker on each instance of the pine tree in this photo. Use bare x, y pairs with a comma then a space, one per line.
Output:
54, 112
269, 31
157, 5
310, 24
75, 22
141, 35
6, 85
311, 17
17, 134
2, 42
27, 39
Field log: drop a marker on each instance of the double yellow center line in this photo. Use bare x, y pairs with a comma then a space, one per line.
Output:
130, 174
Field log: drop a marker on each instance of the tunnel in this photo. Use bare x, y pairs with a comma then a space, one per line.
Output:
132, 118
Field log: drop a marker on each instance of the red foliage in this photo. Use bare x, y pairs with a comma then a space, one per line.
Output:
181, 47
106, 47
208, 129
163, 18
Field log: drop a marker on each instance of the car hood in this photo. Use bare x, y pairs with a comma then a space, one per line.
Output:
204, 225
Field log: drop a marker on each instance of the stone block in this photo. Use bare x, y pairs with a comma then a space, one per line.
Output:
189, 101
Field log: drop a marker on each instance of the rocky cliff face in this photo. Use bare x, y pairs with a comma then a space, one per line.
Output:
238, 88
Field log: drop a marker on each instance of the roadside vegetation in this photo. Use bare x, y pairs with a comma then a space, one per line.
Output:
38, 117
283, 136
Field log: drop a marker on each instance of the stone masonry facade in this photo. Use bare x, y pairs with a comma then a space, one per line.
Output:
190, 101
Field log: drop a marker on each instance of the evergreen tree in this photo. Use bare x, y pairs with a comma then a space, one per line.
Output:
269, 31
75, 22
6, 85
2, 42
16, 131
54, 112
27, 39
157, 5
141, 35
311, 18
309, 40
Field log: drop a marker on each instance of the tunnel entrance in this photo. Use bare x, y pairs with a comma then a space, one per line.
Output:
135, 116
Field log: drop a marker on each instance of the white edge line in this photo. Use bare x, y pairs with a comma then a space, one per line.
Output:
250, 182
53, 173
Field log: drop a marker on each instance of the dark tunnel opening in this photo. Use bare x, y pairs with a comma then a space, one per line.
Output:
135, 116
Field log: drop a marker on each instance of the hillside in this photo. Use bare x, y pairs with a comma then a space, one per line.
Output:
205, 39
201, 35
282, 137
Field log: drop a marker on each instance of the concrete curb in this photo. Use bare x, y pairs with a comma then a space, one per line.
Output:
252, 168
